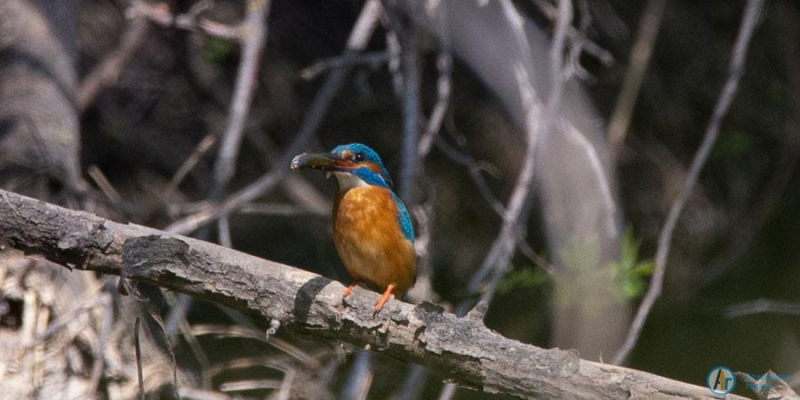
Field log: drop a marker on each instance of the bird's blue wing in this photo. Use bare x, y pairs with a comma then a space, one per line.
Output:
403, 218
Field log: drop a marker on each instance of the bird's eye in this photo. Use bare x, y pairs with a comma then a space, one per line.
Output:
359, 157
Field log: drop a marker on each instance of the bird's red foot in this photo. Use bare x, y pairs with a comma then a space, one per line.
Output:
384, 298
349, 290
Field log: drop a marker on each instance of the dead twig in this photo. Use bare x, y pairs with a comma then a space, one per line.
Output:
99, 354
105, 185
537, 122
138, 349
372, 59
254, 37
576, 36
107, 71
159, 14
359, 36
444, 65
197, 153
762, 306
735, 72
248, 331
641, 53
411, 113
474, 170
360, 378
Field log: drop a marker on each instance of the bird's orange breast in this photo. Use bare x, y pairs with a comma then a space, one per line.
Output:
370, 241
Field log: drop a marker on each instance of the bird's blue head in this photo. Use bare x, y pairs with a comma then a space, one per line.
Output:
356, 165
353, 165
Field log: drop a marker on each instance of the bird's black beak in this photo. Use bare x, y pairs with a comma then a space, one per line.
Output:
313, 161
322, 161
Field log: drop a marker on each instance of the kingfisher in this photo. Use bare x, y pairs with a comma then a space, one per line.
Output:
371, 227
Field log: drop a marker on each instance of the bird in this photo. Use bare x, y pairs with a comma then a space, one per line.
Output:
372, 230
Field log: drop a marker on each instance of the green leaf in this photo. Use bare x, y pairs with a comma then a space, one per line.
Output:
630, 272
524, 278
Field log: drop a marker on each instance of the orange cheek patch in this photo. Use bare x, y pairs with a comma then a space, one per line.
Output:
345, 164
374, 168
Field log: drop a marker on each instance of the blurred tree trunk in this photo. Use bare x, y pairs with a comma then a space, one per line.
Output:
39, 147
575, 178
59, 337
39, 132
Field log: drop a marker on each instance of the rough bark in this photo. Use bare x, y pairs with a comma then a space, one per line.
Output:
462, 349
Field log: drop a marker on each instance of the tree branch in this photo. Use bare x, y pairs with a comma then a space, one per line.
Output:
254, 38
735, 72
357, 41
462, 349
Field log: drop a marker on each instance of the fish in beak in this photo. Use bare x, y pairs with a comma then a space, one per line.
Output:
328, 162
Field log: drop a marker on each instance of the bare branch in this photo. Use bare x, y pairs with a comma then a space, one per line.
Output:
159, 14
537, 123
254, 37
360, 377
373, 59
474, 172
444, 63
735, 72
576, 36
359, 37
108, 70
762, 306
411, 113
138, 349
462, 349
640, 58
99, 365
197, 153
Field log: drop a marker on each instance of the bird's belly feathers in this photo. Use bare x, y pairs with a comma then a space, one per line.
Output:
370, 241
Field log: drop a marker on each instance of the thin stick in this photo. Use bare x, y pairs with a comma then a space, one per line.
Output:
159, 14
577, 36
372, 59
254, 37
197, 153
735, 72
360, 378
536, 124
359, 37
640, 58
474, 172
107, 72
411, 84
762, 306
138, 349
104, 184
444, 64
224, 231
99, 357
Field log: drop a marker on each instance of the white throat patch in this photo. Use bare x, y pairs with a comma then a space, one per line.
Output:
348, 181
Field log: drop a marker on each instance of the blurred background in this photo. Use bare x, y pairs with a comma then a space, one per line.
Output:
157, 113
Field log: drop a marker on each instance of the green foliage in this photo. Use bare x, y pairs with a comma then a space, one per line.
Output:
734, 143
528, 277
630, 272
217, 50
